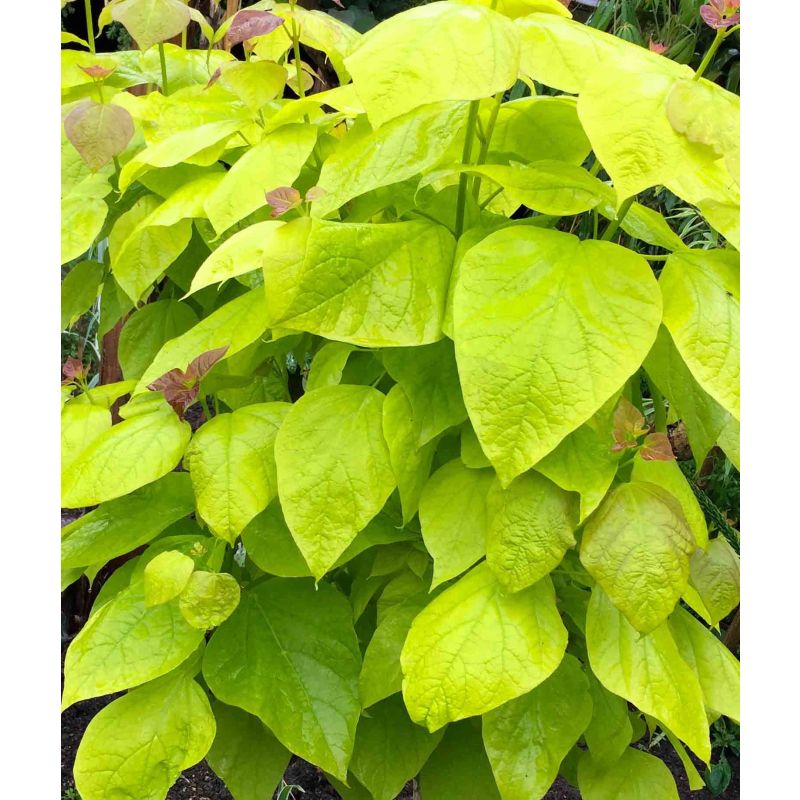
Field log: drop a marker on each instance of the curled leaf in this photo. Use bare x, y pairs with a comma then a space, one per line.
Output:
720, 14
248, 24
98, 132
656, 447
283, 199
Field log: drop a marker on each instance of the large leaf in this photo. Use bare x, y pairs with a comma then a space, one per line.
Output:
127, 456
637, 547
98, 131
531, 526
83, 212
334, 473
404, 147
713, 589
139, 745
459, 53
527, 739
246, 755
547, 328
392, 294
647, 670
475, 647
455, 532
701, 312
81, 425
124, 644
636, 776
390, 749
274, 162
232, 463
609, 731
151, 21
289, 655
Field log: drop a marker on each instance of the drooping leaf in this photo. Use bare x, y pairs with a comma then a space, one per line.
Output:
98, 131
713, 589
609, 733
289, 655
79, 290
455, 532
637, 547
648, 670
531, 525
208, 599
232, 464
138, 745
637, 776
334, 472
527, 738
151, 21
314, 284
475, 647
544, 336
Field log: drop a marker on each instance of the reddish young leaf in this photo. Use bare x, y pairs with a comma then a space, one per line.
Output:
180, 387
629, 425
314, 193
657, 47
720, 14
199, 368
283, 199
73, 370
96, 71
656, 447
247, 24
98, 131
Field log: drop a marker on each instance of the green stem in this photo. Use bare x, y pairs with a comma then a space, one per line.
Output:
613, 226
596, 166
659, 409
490, 198
204, 404
162, 56
301, 92
183, 38
636, 390
718, 40
466, 155
487, 139
87, 4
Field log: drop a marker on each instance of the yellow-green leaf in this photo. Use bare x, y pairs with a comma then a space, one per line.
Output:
208, 599
636, 776
166, 576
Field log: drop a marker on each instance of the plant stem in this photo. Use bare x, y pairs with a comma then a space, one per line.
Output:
183, 38
596, 166
659, 410
636, 390
162, 56
613, 226
87, 4
204, 404
466, 155
490, 198
487, 138
718, 40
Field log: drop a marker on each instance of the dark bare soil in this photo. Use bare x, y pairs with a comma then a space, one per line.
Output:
200, 782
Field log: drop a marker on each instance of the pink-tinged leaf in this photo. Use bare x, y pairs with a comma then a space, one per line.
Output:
657, 47
214, 78
314, 193
656, 447
98, 132
73, 370
248, 24
200, 367
97, 72
283, 199
720, 14
618, 447
629, 425
178, 391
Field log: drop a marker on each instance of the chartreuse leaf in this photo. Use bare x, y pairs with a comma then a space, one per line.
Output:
79, 290
701, 312
328, 365
637, 547
127, 456
609, 732
125, 644
248, 758
390, 749
531, 525
334, 472
166, 576
713, 589
429, 378
146, 331
138, 745
254, 82
460, 53
232, 464
648, 671
636, 776
104, 395
235, 325
544, 336
241, 253
81, 425
668, 475
381, 675
275, 162
527, 738
471, 453
705, 419
151, 21
122, 525
458, 768
455, 532
521, 8
209, 599
314, 284
404, 147
83, 212
475, 647
289, 655
716, 667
